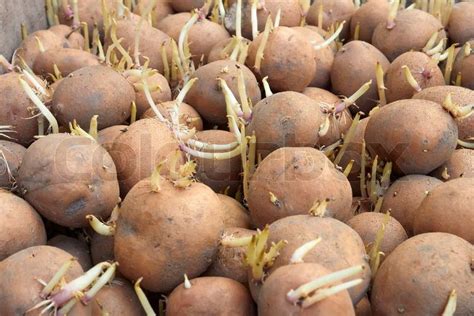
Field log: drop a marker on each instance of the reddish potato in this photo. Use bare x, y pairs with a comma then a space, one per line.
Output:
367, 17
461, 164
102, 248
460, 26
67, 60
11, 156
118, 299
107, 136
77, 248
363, 308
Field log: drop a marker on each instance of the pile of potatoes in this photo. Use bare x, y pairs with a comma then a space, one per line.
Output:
239, 157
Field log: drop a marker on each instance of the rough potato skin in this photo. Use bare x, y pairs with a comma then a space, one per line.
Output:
461, 23
137, 151
118, 299
460, 96
21, 226
19, 288
272, 299
448, 208
10, 161
340, 247
285, 119
404, 197
187, 114
211, 296
74, 39
77, 248
162, 94
104, 92
107, 136
368, 16
102, 248
354, 65
298, 177
17, 110
66, 59
407, 34
156, 242
288, 60
186, 5
425, 71
333, 12
368, 224
418, 276
395, 134
461, 164
68, 177
235, 214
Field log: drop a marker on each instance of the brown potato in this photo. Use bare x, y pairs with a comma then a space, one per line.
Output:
413, 29
104, 92
354, 65
457, 196
368, 16
405, 195
161, 10
137, 151
186, 5
77, 248
418, 136
157, 243
334, 12
285, 119
11, 156
404, 282
363, 308
297, 178
425, 71
90, 11
118, 299
67, 60
102, 248
368, 224
461, 164
21, 226
107, 136
187, 114
460, 26
206, 94
288, 60
236, 215
68, 177
74, 38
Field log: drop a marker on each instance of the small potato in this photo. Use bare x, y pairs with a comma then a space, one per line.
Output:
419, 275
117, 298
21, 226
460, 165
405, 195
11, 156
68, 177
424, 70
461, 23
367, 226
102, 248
418, 136
187, 114
367, 17
463, 68
210, 296
334, 12
77, 248
235, 214
67, 60
448, 208
107, 136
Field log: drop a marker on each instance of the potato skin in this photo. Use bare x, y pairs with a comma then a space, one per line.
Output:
206, 95
102, 248
10, 161
107, 136
461, 164
154, 241
457, 196
368, 224
161, 10
404, 197
236, 215
21, 225
118, 299
272, 299
333, 12
19, 288
77, 248
464, 66
211, 296
90, 11
460, 26
66, 59
405, 281
68, 177
298, 177
395, 134
368, 16
186, 5
363, 308
187, 114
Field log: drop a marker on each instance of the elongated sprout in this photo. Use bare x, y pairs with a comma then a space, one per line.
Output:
254, 18
410, 79
100, 227
347, 139
357, 31
379, 74
330, 39
263, 43
57, 278
301, 251
362, 183
266, 87
450, 307
374, 249
457, 111
182, 42
392, 14
143, 299
277, 19
431, 42
348, 168
320, 16
138, 28
305, 5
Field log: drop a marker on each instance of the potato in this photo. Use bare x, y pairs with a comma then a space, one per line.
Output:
219, 175
334, 12
117, 298
206, 95
404, 282
361, 205
285, 119
107, 136
161, 10
424, 70
68, 177
19, 275
187, 114
74, 37
21, 226
67, 61
367, 17
235, 214
368, 224
405, 195
202, 36
156, 242
77, 248
464, 68
457, 197
229, 261
102, 248
210, 296
363, 308
291, 180
18, 110
187, 5
418, 136
273, 295
220, 50
90, 11
412, 30
354, 65
460, 26
461, 164
137, 151
460, 96
11, 156
288, 60
340, 247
